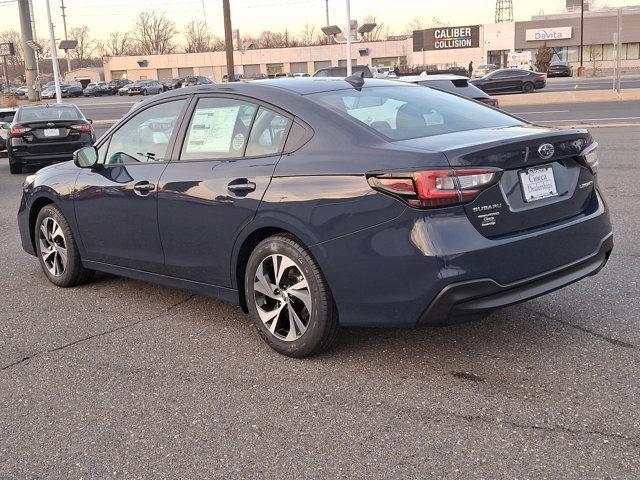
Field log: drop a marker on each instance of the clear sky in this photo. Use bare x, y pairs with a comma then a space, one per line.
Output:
254, 16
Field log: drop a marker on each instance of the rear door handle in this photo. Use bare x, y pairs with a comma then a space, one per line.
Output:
241, 185
144, 187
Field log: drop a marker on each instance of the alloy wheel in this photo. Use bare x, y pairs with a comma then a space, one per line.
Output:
282, 297
53, 246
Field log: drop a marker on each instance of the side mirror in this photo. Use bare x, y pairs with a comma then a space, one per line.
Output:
89, 120
86, 157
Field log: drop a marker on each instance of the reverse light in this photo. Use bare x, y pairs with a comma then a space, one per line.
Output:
18, 131
590, 156
82, 127
436, 188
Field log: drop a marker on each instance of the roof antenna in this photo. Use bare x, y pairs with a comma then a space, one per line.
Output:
356, 80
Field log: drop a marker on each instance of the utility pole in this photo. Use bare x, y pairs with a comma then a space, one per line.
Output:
349, 69
228, 40
618, 48
30, 65
327, 10
54, 55
64, 22
581, 68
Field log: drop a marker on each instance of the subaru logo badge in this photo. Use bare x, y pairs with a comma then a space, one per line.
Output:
546, 150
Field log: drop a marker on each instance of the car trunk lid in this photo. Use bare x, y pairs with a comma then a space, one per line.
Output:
538, 185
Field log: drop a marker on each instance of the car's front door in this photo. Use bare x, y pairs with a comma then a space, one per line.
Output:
228, 152
116, 203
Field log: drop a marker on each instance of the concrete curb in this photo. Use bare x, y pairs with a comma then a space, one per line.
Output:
551, 98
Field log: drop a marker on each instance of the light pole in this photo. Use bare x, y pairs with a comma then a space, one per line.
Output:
228, 40
54, 56
581, 67
349, 69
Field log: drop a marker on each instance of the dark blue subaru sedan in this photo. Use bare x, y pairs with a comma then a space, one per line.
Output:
319, 203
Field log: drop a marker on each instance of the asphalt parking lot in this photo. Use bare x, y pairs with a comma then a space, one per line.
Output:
122, 379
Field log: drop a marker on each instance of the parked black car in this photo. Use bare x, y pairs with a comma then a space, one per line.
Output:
72, 89
177, 82
97, 90
6, 117
319, 203
44, 134
115, 85
560, 69
453, 84
511, 80
341, 72
195, 80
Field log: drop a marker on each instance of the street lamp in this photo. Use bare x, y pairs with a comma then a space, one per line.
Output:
333, 31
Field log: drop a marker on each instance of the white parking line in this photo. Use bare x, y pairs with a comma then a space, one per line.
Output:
547, 111
604, 119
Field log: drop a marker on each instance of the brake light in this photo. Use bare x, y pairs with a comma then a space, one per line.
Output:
82, 127
436, 188
590, 156
18, 131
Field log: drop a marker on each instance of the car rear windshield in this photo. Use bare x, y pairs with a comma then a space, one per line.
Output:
52, 113
6, 116
403, 112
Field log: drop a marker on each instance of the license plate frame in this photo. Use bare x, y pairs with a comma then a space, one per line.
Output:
51, 132
538, 183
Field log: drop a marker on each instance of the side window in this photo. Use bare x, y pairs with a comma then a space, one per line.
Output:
268, 133
219, 129
322, 73
145, 137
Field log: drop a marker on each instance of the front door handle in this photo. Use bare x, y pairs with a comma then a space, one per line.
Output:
144, 187
241, 185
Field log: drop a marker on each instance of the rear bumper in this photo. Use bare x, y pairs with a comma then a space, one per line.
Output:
26, 159
434, 267
464, 301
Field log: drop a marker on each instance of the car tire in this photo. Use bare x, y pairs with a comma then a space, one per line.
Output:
60, 272
314, 330
528, 87
15, 168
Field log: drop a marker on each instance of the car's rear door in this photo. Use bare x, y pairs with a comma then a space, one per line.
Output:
227, 154
116, 203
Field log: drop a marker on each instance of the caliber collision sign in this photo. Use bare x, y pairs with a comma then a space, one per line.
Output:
446, 38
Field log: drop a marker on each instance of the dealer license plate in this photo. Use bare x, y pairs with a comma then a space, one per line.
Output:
538, 183
51, 132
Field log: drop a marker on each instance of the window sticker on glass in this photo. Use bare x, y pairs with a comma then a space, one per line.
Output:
212, 129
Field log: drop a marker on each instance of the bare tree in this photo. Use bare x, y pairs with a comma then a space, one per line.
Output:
197, 36
419, 23
308, 35
15, 63
380, 32
269, 39
155, 33
86, 46
119, 44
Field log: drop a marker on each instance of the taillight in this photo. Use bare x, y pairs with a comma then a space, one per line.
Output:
82, 127
436, 188
18, 131
590, 156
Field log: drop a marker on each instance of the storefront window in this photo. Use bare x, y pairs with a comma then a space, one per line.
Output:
561, 53
573, 54
633, 51
608, 52
593, 52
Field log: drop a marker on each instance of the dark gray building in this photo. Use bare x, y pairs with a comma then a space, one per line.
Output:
562, 33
